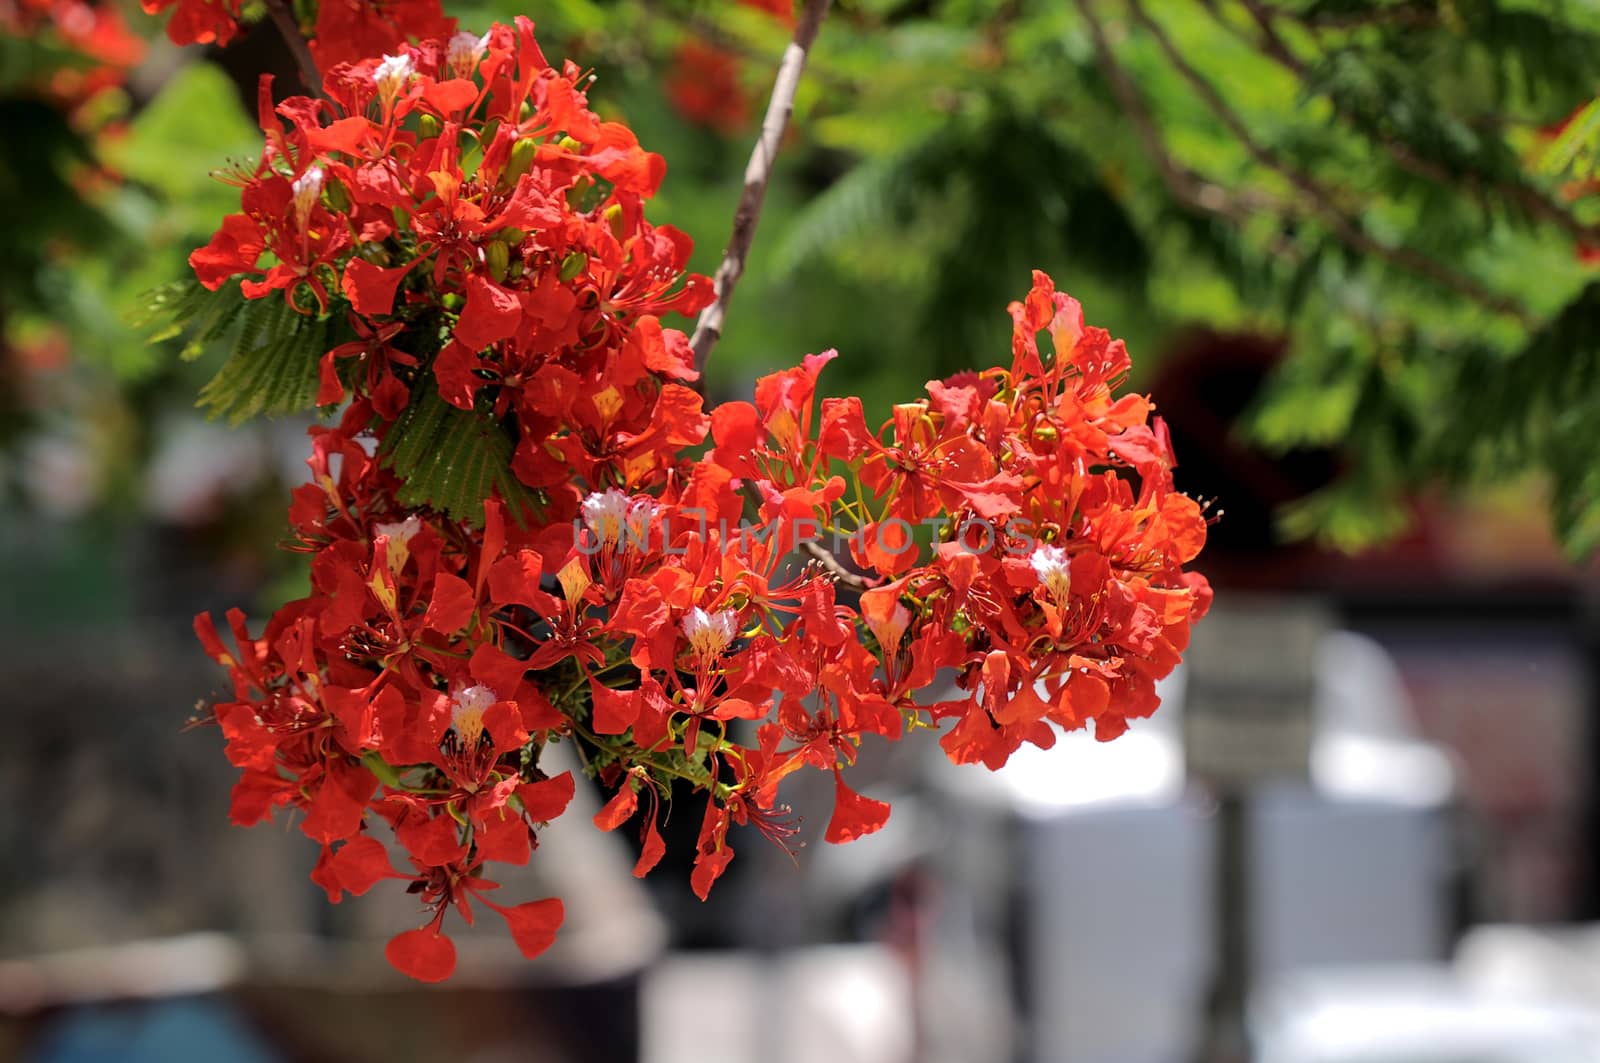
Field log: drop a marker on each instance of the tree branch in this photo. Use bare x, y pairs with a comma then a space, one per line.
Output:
708, 329
1319, 198
284, 19
832, 567
1182, 183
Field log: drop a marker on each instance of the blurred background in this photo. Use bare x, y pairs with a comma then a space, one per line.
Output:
1350, 245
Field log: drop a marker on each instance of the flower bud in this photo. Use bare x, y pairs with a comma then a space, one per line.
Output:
511, 235
392, 75
1053, 567
464, 52
522, 155
613, 218
337, 197
570, 144
429, 127
579, 191
573, 265
498, 257
307, 188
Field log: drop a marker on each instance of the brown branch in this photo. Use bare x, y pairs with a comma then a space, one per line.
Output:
1183, 184
289, 28
708, 329
817, 552
1320, 198
832, 567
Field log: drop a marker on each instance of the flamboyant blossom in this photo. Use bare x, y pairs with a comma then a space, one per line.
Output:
1017, 531
343, 31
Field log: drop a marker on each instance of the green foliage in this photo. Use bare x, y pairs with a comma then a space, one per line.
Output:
273, 350
452, 459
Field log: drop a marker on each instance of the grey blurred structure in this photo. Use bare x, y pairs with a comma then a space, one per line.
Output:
1104, 859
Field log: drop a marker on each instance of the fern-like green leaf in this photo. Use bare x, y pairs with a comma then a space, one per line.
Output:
1577, 139
273, 367
452, 459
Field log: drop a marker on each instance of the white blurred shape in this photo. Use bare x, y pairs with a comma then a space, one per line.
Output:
1421, 1015
838, 1003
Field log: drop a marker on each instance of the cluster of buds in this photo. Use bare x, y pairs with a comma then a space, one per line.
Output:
485, 234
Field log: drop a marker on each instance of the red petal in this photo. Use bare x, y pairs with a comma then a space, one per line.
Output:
853, 815
545, 800
329, 389
708, 867
450, 96
491, 314
453, 370
497, 670
534, 925
514, 580
344, 135
233, 249
426, 955
654, 850
504, 724
844, 432
433, 840
614, 710
360, 864
618, 809
452, 606
370, 288
503, 837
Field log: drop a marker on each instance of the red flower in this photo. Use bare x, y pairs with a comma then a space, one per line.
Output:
703, 86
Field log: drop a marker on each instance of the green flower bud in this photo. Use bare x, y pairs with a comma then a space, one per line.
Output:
573, 265
498, 256
522, 154
511, 235
569, 144
429, 126
337, 197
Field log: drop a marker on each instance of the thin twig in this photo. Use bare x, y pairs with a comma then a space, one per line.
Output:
1183, 184
289, 28
708, 329
1319, 198
831, 565
817, 552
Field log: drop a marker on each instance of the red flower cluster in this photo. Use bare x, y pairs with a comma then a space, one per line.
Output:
96, 31
345, 30
703, 86
485, 233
